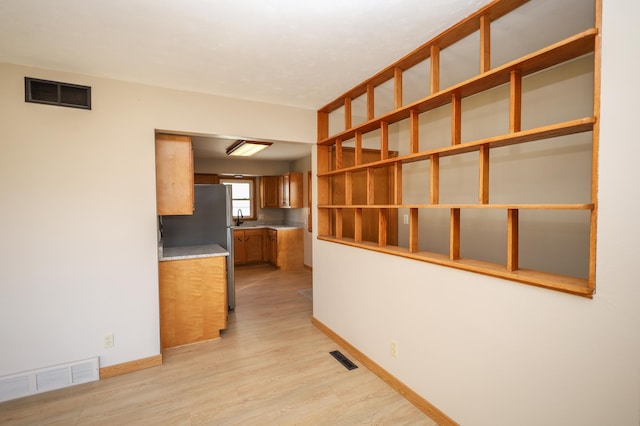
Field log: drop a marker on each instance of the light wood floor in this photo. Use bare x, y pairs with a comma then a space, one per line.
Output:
271, 366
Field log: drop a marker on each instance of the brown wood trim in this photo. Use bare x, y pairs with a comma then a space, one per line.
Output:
597, 63
370, 101
308, 268
130, 367
512, 240
422, 404
323, 125
397, 86
347, 113
485, 43
434, 83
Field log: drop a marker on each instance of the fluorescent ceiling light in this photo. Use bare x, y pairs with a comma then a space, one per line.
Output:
246, 148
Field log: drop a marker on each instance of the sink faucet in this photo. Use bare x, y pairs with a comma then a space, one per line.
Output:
239, 218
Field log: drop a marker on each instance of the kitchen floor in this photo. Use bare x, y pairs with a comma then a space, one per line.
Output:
271, 366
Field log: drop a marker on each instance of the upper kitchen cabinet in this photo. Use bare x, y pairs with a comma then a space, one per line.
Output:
284, 191
174, 175
269, 193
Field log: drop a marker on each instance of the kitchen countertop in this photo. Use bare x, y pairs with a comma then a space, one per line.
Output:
191, 252
251, 226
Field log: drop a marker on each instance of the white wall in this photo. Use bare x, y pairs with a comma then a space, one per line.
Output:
78, 255
299, 217
493, 352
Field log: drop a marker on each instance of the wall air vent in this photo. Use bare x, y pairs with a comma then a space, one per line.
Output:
49, 378
57, 93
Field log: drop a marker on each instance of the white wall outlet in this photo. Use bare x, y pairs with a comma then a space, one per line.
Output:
108, 340
394, 349
405, 219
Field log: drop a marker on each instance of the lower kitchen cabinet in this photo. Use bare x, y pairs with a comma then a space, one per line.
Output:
283, 248
193, 300
286, 248
248, 246
272, 247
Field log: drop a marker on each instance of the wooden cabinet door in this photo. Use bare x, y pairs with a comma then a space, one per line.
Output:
284, 191
283, 187
193, 300
269, 194
253, 245
174, 175
295, 190
290, 248
272, 256
239, 248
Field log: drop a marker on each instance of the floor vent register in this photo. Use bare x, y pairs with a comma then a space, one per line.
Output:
343, 360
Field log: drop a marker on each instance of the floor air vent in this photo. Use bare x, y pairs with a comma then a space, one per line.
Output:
57, 93
50, 378
343, 360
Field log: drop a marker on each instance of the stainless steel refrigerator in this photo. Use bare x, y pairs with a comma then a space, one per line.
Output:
211, 223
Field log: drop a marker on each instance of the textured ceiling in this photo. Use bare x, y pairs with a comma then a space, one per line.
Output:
290, 52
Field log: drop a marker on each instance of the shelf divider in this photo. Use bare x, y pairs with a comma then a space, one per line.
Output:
357, 225
371, 90
384, 140
414, 129
371, 188
434, 181
512, 240
485, 43
434, 84
456, 118
483, 180
397, 184
515, 101
347, 113
413, 230
383, 220
397, 88
454, 241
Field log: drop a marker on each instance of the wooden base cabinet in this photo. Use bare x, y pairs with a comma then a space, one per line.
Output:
272, 247
248, 246
286, 248
193, 300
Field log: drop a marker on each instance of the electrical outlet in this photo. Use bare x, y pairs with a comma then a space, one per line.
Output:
405, 219
394, 349
108, 340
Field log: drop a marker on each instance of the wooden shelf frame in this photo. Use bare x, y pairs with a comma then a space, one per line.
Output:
558, 53
330, 150
540, 133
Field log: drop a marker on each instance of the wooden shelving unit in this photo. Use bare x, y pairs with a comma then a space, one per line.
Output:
331, 171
